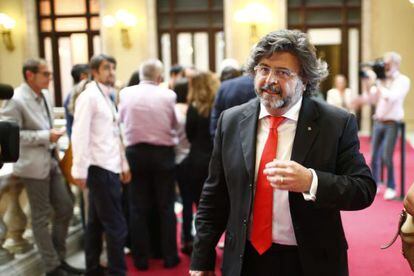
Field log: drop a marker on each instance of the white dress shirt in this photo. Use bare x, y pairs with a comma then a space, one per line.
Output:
282, 226
336, 98
95, 134
390, 97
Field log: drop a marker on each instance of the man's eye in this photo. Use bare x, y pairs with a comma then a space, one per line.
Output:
265, 70
283, 73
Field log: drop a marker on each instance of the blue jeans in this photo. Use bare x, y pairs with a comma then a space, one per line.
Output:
383, 144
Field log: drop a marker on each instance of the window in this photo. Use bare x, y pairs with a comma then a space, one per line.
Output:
68, 34
190, 33
334, 27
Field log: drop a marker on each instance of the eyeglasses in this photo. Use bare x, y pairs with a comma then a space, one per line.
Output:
46, 74
279, 73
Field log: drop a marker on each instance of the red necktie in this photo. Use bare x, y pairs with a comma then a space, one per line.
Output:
261, 234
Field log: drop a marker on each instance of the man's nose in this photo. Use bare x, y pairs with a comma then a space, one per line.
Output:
271, 78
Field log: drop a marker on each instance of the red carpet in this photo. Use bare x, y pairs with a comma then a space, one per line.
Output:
156, 266
409, 166
366, 231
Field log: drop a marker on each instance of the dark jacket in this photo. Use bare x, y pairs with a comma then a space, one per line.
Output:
232, 92
325, 140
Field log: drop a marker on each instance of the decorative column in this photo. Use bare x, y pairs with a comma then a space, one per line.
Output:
15, 219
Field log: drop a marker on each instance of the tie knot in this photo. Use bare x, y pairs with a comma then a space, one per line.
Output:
275, 121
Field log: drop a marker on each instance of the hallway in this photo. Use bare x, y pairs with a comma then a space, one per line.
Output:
366, 231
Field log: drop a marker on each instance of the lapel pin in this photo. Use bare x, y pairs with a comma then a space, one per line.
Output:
309, 128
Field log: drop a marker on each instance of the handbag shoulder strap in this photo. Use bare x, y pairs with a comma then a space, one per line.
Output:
403, 217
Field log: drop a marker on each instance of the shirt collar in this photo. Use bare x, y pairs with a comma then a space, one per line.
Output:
148, 82
33, 94
292, 113
105, 89
395, 74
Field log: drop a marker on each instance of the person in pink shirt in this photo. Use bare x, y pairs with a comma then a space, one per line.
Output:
147, 111
388, 96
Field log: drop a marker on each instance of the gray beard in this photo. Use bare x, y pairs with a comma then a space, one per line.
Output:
272, 103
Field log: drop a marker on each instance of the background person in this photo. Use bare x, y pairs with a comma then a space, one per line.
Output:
147, 111
99, 163
176, 73
388, 97
202, 89
49, 197
229, 73
134, 79
340, 96
182, 166
232, 92
79, 73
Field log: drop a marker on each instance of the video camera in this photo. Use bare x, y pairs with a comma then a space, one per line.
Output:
9, 132
378, 66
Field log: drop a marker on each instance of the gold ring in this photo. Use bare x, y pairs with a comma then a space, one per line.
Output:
281, 179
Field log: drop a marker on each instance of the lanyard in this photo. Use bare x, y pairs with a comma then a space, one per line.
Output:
49, 116
113, 108
111, 104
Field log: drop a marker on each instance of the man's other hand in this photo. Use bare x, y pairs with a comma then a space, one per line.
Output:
288, 175
56, 134
80, 182
125, 177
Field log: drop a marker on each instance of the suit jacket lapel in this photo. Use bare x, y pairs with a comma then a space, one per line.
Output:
306, 131
48, 109
35, 107
248, 129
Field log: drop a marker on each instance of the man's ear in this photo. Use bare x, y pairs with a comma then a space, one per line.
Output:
29, 74
305, 84
94, 73
84, 75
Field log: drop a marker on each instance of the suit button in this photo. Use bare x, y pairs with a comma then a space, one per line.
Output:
245, 221
250, 185
241, 256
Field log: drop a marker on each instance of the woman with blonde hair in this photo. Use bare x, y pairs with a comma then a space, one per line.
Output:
202, 90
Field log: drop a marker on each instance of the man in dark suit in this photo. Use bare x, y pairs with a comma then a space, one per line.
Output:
282, 169
231, 93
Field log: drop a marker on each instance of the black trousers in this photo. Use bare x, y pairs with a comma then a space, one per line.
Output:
152, 184
184, 184
105, 215
278, 260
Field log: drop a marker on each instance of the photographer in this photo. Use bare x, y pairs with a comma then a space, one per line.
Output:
387, 93
37, 166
